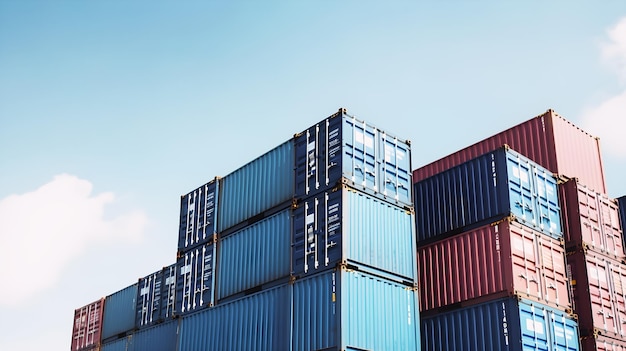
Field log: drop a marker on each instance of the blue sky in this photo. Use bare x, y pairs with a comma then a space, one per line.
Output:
110, 110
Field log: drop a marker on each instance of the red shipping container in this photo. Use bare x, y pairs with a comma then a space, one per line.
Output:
88, 326
597, 293
602, 343
493, 261
590, 220
548, 139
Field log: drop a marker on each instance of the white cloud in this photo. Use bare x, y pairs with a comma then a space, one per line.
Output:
608, 118
614, 51
43, 230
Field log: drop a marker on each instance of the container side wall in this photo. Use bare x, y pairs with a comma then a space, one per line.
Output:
259, 322
602, 343
258, 186
162, 337
119, 312
123, 344
255, 255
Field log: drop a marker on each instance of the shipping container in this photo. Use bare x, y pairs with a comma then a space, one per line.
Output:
198, 222
259, 186
123, 344
596, 291
590, 220
255, 255
548, 139
119, 313
508, 324
490, 187
195, 280
349, 310
259, 322
156, 297
602, 343
343, 147
351, 227
621, 203
496, 260
87, 329
161, 337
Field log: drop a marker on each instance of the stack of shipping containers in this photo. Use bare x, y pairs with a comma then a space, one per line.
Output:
521, 257
310, 246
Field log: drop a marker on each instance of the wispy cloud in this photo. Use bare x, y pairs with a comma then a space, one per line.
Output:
608, 118
43, 230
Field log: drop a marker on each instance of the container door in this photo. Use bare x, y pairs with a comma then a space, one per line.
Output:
590, 218
149, 299
195, 281
189, 208
563, 332
521, 197
395, 169
602, 306
618, 282
525, 261
553, 272
533, 328
168, 293
360, 156
611, 227
549, 211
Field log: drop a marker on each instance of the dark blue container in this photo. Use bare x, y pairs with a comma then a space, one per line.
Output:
162, 337
501, 325
352, 227
156, 297
621, 203
343, 147
198, 216
488, 188
119, 313
195, 283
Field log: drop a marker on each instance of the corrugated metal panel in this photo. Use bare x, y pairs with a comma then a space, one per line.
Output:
87, 328
548, 139
490, 187
119, 313
123, 344
506, 324
602, 343
258, 186
503, 259
258, 322
342, 146
349, 310
162, 337
195, 282
591, 219
594, 294
255, 255
149, 299
621, 202
198, 220
353, 227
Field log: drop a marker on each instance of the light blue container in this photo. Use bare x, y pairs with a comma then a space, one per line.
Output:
119, 313
352, 227
349, 310
258, 186
490, 187
255, 255
502, 325
259, 322
123, 344
343, 148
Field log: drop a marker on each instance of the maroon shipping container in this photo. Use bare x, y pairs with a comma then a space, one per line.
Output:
497, 260
87, 326
597, 293
590, 220
548, 139
602, 343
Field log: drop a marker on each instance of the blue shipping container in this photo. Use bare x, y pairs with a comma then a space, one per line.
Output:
349, 310
342, 147
195, 283
197, 216
621, 203
168, 292
124, 344
485, 189
161, 337
259, 322
258, 186
149, 299
119, 313
255, 255
506, 324
349, 226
